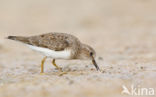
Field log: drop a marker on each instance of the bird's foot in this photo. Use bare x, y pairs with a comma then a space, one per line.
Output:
42, 73
62, 73
60, 69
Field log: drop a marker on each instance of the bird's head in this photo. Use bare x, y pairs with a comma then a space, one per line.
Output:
87, 52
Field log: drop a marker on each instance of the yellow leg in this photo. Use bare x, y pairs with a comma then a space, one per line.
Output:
53, 62
62, 73
42, 65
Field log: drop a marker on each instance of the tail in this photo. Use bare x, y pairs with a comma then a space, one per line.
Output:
19, 38
12, 37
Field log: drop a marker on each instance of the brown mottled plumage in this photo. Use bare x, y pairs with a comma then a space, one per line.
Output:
59, 42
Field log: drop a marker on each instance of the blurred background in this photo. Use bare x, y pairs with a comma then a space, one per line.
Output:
123, 33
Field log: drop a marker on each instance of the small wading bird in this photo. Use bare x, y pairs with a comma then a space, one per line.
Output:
58, 46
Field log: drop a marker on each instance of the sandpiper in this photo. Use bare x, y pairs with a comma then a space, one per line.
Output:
58, 46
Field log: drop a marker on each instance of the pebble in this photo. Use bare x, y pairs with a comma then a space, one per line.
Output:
100, 58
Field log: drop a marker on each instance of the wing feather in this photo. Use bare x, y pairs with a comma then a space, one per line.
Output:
52, 41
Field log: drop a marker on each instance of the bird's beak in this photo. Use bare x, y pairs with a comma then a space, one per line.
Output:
95, 64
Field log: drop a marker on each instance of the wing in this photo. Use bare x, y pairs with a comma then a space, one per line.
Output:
54, 41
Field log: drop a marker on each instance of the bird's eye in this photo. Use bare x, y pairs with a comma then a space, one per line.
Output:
91, 53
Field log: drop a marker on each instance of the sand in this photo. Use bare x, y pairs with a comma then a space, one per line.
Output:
122, 32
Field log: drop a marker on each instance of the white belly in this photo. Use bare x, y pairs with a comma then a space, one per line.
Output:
65, 54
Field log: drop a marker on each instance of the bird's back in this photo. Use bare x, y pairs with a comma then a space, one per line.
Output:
54, 41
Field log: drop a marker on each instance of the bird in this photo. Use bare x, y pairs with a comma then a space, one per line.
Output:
58, 45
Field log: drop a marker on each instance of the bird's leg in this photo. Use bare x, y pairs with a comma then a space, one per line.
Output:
42, 65
60, 69
53, 62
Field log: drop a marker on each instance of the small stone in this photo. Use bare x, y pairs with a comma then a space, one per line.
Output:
1, 47
86, 66
67, 78
111, 67
74, 70
109, 72
92, 69
103, 71
100, 58
141, 67
71, 82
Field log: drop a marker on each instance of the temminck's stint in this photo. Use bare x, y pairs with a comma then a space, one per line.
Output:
58, 46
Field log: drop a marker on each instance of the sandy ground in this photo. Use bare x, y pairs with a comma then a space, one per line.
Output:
123, 33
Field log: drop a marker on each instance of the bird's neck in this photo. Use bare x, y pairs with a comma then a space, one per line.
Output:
81, 54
